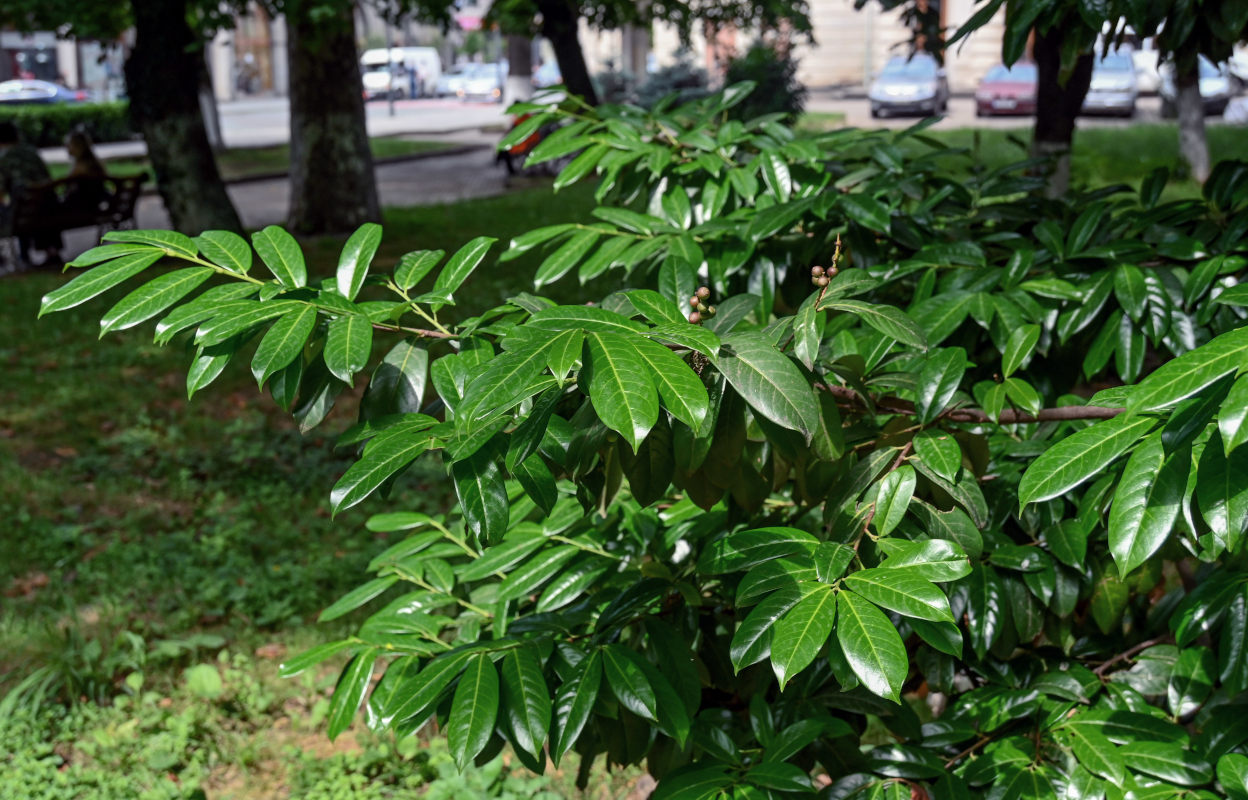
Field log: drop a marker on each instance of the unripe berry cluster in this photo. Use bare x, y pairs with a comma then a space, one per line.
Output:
822, 277
701, 310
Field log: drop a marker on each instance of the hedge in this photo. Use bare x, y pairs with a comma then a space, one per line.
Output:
48, 125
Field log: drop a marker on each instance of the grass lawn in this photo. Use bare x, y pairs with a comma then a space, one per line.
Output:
1102, 155
820, 121
162, 557
245, 162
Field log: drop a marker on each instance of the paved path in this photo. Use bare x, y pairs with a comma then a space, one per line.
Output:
425, 181
265, 121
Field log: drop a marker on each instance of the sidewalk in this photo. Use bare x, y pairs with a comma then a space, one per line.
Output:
265, 121
431, 180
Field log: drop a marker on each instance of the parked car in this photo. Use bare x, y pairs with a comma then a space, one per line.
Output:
484, 81
1007, 90
452, 81
24, 91
1216, 88
1113, 89
914, 85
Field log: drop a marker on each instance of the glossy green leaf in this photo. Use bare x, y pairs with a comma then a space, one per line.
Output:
935, 560
1096, 753
1146, 502
152, 298
1233, 414
799, 635
461, 265
526, 698
413, 267
891, 322
482, 494
1019, 349
940, 451
383, 458
176, 244
1186, 375
683, 394
106, 252
357, 597
1168, 761
281, 254
620, 386
573, 703
1222, 491
96, 281
1079, 457
473, 710
349, 692
895, 493
866, 211
752, 641
1233, 775
903, 590
357, 256
769, 382
566, 256
226, 249
629, 683
283, 342
871, 645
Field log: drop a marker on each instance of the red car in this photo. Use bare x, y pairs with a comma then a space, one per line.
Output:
1007, 90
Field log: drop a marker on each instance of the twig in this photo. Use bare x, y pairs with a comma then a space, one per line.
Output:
1129, 652
1008, 416
983, 740
419, 332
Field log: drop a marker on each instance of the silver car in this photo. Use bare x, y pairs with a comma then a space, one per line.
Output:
1114, 89
914, 85
484, 82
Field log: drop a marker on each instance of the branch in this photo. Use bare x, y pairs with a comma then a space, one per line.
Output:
1008, 416
1128, 653
418, 332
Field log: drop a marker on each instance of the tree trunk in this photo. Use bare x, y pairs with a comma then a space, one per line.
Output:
208, 107
163, 78
1193, 147
559, 22
1057, 105
519, 69
332, 185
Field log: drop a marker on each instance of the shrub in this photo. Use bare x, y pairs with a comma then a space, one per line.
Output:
844, 511
48, 125
779, 91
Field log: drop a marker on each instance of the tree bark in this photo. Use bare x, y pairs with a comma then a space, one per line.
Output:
1193, 146
1058, 104
163, 77
519, 68
559, 24
332, 185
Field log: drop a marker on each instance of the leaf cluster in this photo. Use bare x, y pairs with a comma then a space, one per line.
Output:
741, 550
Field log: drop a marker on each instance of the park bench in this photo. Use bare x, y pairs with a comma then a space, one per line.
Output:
39, 209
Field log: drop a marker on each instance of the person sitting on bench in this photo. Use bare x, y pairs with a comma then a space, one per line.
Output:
86, 191
21, 166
